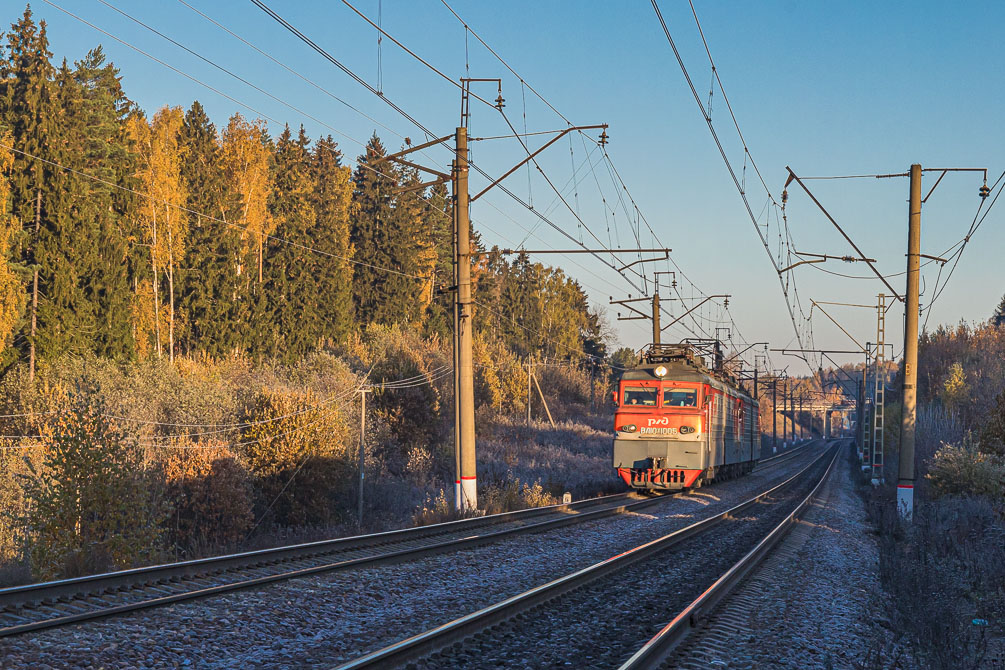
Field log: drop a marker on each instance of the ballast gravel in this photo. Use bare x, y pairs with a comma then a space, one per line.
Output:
815, 604
600, 625
328, 619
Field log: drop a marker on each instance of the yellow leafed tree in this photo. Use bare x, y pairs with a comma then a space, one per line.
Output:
12, 297
246, 165
163, 224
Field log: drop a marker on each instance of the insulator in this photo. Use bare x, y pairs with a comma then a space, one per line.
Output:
603, 137
984, 191
499, 102
785, 196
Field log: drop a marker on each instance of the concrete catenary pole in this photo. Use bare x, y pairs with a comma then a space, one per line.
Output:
785, 405
465, 392
861, 414
905, 482
656, 317
802, 432
774, 415
458, 502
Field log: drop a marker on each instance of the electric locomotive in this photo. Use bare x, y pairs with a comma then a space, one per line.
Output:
680, 424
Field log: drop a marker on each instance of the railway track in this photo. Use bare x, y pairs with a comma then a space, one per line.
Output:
51, 604
599, 616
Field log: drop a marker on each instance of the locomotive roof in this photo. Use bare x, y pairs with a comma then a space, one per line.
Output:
679, 372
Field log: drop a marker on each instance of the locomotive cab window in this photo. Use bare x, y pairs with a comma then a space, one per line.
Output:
680, 398
640, 395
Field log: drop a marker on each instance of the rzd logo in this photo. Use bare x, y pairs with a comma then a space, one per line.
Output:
661, 421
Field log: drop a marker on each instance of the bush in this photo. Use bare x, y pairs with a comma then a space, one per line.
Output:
210, 496
297, 447
942, 571
960, 469
17, 460
993, 434
500, 378
440, 510
510, 495
410, 413
91, 505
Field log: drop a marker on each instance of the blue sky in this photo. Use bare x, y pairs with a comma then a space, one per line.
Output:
826, 88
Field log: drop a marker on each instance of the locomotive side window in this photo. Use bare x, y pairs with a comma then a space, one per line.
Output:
680, 398
640, 395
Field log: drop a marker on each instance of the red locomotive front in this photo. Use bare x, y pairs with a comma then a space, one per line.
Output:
677, 424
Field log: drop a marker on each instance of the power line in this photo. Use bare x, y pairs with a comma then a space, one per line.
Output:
966, 239
300, 35
612, 169
729, 167
291, 70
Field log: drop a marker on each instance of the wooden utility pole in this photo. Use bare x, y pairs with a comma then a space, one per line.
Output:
362, 449
543, 401
34, 287
905, 481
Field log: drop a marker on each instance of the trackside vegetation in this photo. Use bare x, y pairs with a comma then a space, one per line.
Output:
188, 307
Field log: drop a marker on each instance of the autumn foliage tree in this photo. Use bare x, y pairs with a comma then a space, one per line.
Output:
163, 225
12, 296
295, 445
89, 508
245, 155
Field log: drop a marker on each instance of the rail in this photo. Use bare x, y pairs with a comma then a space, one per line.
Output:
442, 636
654, 652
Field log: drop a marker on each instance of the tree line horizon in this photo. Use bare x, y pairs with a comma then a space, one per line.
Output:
132, 236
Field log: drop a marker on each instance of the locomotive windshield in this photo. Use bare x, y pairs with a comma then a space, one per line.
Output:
680, 398
640, 395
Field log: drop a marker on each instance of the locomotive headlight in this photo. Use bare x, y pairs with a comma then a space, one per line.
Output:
661, 371
628, 428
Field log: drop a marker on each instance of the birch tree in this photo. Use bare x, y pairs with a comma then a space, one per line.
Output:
246, 166
163, 223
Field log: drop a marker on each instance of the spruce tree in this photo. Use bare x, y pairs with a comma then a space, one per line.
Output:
374, 183
412, 256
97, 109
333, 206
287, 323
64, 247
209, 295
28, 108
998, 318
439, 222
521, 297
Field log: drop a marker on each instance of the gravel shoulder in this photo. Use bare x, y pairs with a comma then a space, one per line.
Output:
813, 604
327, 619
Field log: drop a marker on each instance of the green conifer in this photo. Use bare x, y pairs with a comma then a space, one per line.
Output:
333, 274
210, 296
287, 324
374, 183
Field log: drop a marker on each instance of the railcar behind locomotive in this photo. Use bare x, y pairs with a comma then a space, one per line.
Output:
680, 424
